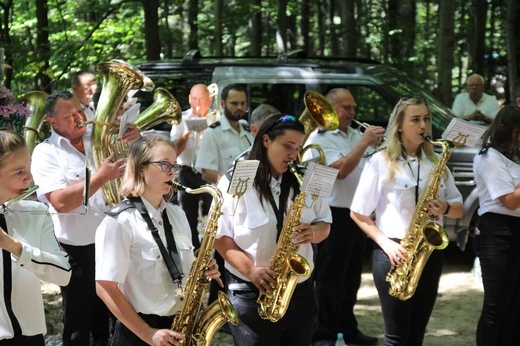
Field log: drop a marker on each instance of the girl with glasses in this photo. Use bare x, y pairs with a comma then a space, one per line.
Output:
133, 278
248, 234
391, 186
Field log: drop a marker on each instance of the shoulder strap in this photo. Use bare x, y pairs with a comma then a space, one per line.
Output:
172, 262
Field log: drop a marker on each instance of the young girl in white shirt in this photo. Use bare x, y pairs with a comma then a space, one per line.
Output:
391, 185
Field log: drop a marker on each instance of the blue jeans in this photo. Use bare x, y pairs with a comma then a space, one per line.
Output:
406, 321
498, 248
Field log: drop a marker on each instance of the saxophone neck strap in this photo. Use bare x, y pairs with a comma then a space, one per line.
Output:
279, 211
171, 256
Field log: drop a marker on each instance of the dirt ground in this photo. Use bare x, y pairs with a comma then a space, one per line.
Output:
453, 321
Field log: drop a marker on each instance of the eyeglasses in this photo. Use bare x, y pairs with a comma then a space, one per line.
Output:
166, 167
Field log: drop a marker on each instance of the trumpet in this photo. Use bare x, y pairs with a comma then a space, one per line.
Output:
378, 143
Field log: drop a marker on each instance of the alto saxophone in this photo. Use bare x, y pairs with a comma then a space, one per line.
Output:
286, 263
198, 325
422, 236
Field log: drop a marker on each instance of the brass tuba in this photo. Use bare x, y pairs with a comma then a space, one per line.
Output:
198, 325
32, 132
318, 113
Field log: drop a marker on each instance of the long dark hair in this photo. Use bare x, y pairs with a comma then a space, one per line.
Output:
504, 132
273, 127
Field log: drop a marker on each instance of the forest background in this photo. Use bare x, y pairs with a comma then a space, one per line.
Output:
436, 42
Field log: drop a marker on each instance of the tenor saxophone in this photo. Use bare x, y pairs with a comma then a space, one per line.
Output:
288, 265
199, 325
422, 236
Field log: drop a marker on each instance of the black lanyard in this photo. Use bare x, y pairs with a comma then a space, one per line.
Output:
8, 283
279, 212
418, 178
170, 256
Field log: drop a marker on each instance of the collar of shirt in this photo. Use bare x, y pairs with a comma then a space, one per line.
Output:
155, 214
226, 126
276, 187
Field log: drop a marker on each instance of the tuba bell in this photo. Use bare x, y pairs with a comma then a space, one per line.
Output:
318, 113
118, 79
32, 130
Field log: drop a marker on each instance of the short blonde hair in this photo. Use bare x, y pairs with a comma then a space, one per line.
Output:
139, 153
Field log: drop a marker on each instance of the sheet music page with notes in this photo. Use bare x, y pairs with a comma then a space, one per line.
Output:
243, 176
196, 124
319, 179
460, 130
128, 117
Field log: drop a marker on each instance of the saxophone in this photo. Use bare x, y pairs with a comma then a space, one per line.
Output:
285, 262
422, 236
198, 325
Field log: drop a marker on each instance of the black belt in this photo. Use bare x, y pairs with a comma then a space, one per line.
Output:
157, 321
236, 284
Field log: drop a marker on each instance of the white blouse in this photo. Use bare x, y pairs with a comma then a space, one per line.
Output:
252, 225
394, 201
495, 176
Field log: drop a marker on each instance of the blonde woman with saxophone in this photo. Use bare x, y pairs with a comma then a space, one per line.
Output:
247, 238
391, 185
133, 276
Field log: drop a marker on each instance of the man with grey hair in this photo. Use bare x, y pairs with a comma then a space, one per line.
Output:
475, 104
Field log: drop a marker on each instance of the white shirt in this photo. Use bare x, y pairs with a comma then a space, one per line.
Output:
187, 156
335, 145
495, 176
221, 145
252, 226
41, 259
126, 253
55, 165
394, 202
464, 105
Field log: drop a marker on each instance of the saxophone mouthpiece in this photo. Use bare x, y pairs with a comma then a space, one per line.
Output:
178, 186
426, 137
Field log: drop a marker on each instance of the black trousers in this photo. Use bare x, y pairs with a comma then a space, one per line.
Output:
498, 248
406, 321
339, 264
83, 311
294, 329
125, 337
190, 202
35, 340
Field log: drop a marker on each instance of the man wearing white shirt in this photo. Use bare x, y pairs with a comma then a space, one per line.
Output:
84, 86
475, 104
187, 143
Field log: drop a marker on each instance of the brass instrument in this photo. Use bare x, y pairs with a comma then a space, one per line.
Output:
288, 265
422, 236
214, 114
318, 113
199, 326
366, 126
32, 133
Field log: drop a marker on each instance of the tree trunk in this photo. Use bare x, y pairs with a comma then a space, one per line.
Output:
43, 81
477, 39
151, 29
281, 34
446, 45
334, 28
349, 36
193, 12
5, 41
305, 27
513, 48
219, 8
255, 27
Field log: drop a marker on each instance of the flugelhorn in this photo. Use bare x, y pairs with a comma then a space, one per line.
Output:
366, 126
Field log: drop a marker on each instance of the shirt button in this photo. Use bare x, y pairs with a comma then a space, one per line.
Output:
158, 256
406, 186
160, 223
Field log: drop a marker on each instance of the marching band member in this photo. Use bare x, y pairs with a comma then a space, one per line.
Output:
391, 185
247, 238
30, 252
132, 275
497, 174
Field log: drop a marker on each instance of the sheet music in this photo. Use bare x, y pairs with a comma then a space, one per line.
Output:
460, 130
243, 176
196, 124
128, 117
319, 179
